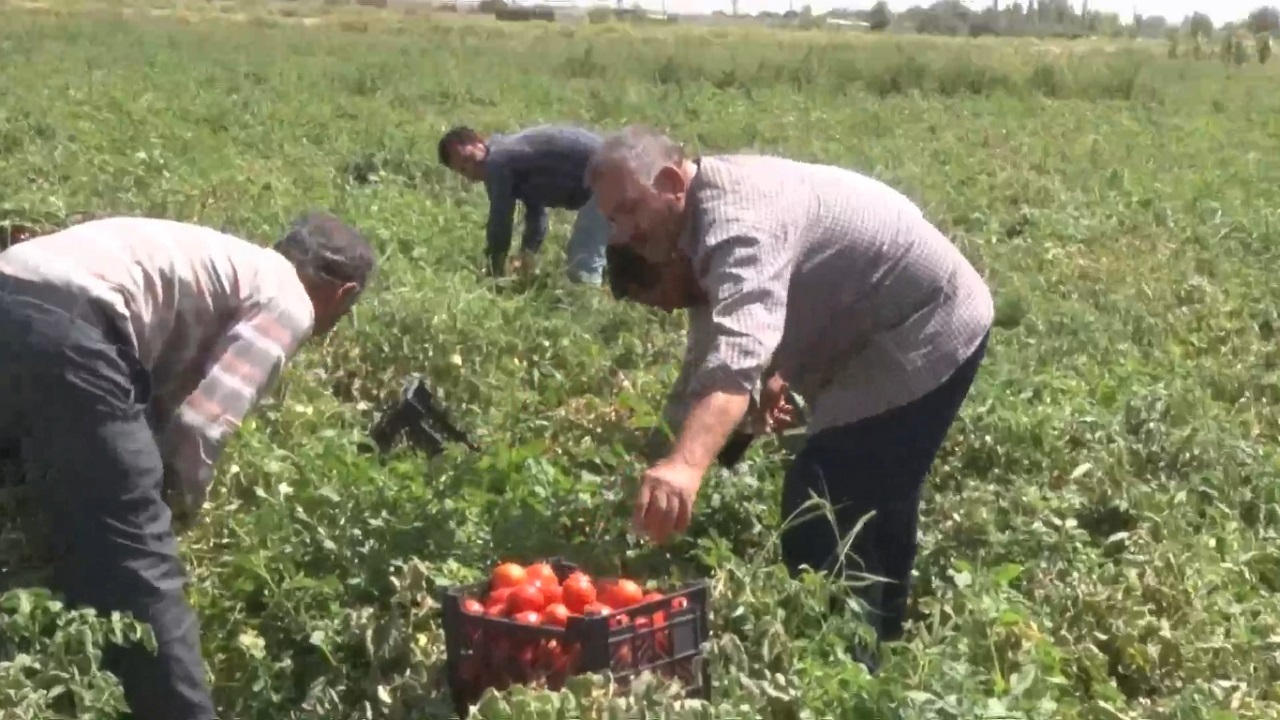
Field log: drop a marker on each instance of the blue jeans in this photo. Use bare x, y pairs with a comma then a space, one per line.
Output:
75, 398
584, 254
876, 464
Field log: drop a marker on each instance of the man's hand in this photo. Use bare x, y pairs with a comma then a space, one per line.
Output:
525, 264
776, 412
185, 489
664, 505
668, 489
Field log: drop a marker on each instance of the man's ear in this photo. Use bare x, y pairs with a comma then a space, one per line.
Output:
670, 181
347, 293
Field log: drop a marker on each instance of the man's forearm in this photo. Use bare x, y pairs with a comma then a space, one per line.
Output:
707, 427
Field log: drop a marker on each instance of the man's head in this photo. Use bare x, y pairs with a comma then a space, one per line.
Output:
463, 151
334, 263
669, 285
640, 179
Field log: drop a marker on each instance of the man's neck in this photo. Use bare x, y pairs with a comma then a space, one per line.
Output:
689, 168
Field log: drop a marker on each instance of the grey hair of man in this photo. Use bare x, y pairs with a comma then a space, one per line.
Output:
324, 247
641, 150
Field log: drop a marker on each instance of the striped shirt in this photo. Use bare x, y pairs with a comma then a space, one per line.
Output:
541, 167
827, 276
211, 316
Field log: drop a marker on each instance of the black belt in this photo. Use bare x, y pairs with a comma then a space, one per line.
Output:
87, 309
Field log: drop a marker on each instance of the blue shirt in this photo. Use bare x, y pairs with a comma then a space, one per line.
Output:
541, 167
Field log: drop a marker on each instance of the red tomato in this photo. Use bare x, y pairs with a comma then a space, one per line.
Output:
496, 610
551, 657
651, 597
622, 594
554, 661
541, 574
498, 597
507, 575
528, 617
649, 645
578, 593
552, 593
526, 661
679, 604
621, 659
661, 636
471, 606
555, 614
526, 597
574, 654
618, 621
596, 608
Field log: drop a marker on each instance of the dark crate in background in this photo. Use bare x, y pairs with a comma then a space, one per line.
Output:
487, 652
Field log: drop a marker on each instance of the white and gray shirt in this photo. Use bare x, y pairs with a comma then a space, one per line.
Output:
828, 276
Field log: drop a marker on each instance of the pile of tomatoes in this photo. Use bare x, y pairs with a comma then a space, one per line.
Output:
533, 596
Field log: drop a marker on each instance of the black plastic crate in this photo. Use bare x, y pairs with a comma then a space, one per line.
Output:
484, 651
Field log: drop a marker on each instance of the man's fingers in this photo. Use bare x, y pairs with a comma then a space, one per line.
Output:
670, 519
642, 504
655, 516
683, 514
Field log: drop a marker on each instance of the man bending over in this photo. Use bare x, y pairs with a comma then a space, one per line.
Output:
132, 350
824, 282
541, 167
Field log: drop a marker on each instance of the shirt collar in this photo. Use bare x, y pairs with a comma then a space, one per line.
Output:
495, 142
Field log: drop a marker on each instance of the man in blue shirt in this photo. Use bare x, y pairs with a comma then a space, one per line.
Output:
541, 167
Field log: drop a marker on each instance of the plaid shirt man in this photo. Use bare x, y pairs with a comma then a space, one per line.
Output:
829, 277
835, 283
213, 317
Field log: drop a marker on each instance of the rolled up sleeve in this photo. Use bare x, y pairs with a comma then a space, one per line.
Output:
246, 363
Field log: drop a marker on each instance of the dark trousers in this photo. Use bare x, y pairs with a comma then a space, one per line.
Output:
74, 405
876, 464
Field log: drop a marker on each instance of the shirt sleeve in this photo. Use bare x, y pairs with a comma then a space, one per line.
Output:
246, 362
502, 209
535, 227
746, 270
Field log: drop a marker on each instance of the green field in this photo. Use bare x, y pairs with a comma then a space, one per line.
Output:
1100, 535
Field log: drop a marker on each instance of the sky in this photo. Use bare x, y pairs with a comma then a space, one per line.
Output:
1219, 10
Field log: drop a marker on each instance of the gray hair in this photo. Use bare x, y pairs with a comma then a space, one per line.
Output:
322, 246
641, 150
